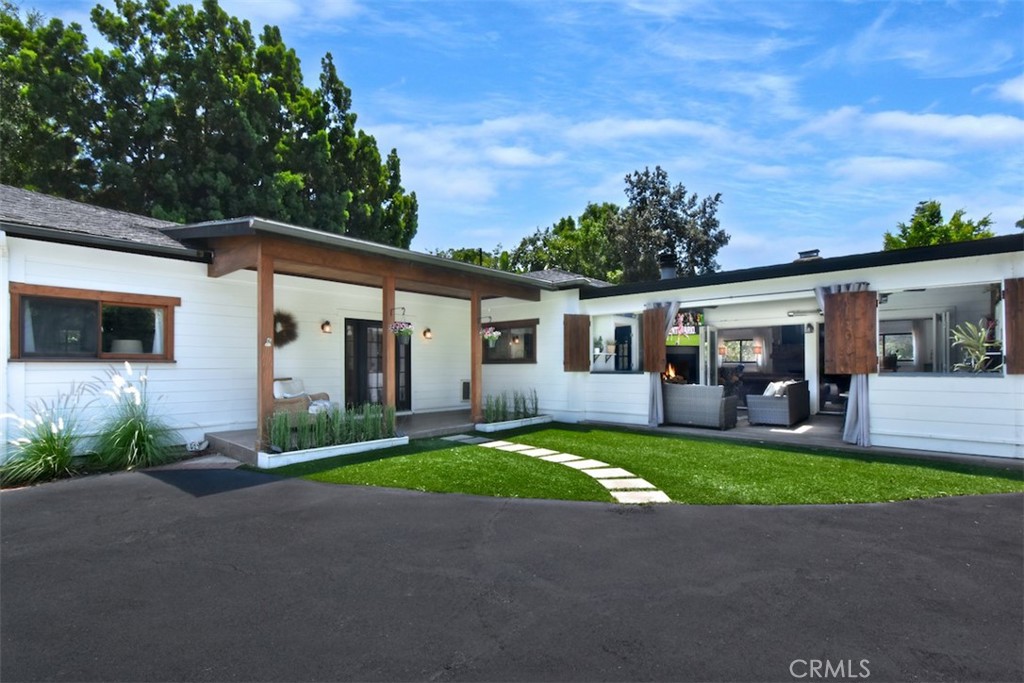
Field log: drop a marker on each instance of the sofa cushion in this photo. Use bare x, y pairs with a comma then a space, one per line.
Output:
288, 388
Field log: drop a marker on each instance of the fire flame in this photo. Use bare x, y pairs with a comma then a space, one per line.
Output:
670, 373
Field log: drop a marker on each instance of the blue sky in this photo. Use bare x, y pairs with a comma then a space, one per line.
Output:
821, 123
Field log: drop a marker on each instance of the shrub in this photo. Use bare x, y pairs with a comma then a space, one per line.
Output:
501, 408
48, 443
300, 431
132, 436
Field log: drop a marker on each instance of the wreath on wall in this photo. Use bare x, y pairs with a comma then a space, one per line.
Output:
285, 329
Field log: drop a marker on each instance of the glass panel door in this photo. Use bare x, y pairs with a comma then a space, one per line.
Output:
364, 364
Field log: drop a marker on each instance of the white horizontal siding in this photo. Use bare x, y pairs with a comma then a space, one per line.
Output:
978, 415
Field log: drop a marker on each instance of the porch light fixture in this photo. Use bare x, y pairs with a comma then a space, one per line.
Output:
515, 338
757, 352
721, 352
325, 327
427, 334
809, 328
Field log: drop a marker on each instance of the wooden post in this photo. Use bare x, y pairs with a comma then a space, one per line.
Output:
264, 345
476, 357
388, 340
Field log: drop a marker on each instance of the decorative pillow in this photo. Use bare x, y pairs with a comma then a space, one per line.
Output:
784, 387
772, 389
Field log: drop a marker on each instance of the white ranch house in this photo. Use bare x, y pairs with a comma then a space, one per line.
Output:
869, 334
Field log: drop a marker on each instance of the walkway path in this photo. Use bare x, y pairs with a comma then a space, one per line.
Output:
624, 486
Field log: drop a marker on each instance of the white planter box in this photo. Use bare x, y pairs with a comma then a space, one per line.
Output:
512, 424
268, 461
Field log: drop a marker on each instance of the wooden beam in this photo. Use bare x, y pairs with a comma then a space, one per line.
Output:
233, 253
388, 340
476, 359
301, 257
264, 345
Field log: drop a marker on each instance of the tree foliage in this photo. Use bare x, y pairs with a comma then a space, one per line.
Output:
576, 245
188, 117
926, 228
662, 220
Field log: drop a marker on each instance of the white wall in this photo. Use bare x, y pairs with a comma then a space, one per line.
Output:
958, 413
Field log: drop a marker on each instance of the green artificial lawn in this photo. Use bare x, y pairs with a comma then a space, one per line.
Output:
689, 470
446, 467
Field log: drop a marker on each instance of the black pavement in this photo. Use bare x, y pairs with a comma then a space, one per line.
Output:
218, 575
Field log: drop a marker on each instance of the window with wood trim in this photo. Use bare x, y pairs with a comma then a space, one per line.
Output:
576, 343
517, 343
59, 323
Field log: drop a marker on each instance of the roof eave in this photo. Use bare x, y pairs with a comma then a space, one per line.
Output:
82, 239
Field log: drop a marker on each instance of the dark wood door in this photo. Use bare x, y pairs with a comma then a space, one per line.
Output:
364, 364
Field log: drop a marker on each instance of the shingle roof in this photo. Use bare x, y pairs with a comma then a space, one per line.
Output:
27, 208
563, 278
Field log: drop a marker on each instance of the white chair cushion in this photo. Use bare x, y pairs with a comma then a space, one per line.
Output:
288, 388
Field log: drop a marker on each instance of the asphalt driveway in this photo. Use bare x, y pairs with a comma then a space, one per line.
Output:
236, 576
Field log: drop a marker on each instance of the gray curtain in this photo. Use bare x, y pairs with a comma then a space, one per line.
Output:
857, 427
656, 402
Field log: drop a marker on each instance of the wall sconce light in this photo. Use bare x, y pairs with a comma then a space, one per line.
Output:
427, 334
268, 343
757, 352
721, 353
325, 327
515, 338
809, 329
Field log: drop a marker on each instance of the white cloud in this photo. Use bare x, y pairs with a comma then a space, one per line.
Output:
987, 129
1012, 90
613, 129
950, 50
875, 169
519, 156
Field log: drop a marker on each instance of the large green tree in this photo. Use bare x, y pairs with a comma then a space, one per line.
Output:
661, 220
189, 117
927, 228
576, 245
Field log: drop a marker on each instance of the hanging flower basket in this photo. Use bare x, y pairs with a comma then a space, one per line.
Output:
491, 335
402, 330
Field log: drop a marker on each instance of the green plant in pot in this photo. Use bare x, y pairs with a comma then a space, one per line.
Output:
973, 341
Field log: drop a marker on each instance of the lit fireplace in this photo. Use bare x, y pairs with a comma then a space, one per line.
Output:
671, 377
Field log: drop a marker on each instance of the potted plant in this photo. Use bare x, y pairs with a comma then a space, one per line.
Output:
402, 330
977, 347
491, 335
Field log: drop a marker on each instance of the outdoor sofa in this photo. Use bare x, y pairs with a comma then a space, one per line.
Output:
783, 403
290, 397
697, 405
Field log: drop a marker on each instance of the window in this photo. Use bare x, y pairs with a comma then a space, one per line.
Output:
56, 323
740, 351
517, 343
900, 345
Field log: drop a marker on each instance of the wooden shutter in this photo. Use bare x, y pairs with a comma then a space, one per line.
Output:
851, 334
576, 343
1013, 307
654, 340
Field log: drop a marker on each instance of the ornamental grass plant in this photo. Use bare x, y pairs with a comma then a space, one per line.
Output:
131, 435
48, 443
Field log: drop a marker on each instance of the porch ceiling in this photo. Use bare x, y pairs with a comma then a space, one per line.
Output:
337, 264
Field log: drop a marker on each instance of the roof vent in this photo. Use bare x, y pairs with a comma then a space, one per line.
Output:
809, 255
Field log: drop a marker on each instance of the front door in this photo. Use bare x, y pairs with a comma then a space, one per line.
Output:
364, 364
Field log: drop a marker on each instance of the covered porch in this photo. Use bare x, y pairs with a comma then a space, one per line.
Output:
271, 249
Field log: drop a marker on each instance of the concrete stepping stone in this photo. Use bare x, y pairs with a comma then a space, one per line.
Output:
514, 447
626, 484
586, 464
537, 452
640, 497
561, 458
608, 472
476, 440
457, 437
495, 444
